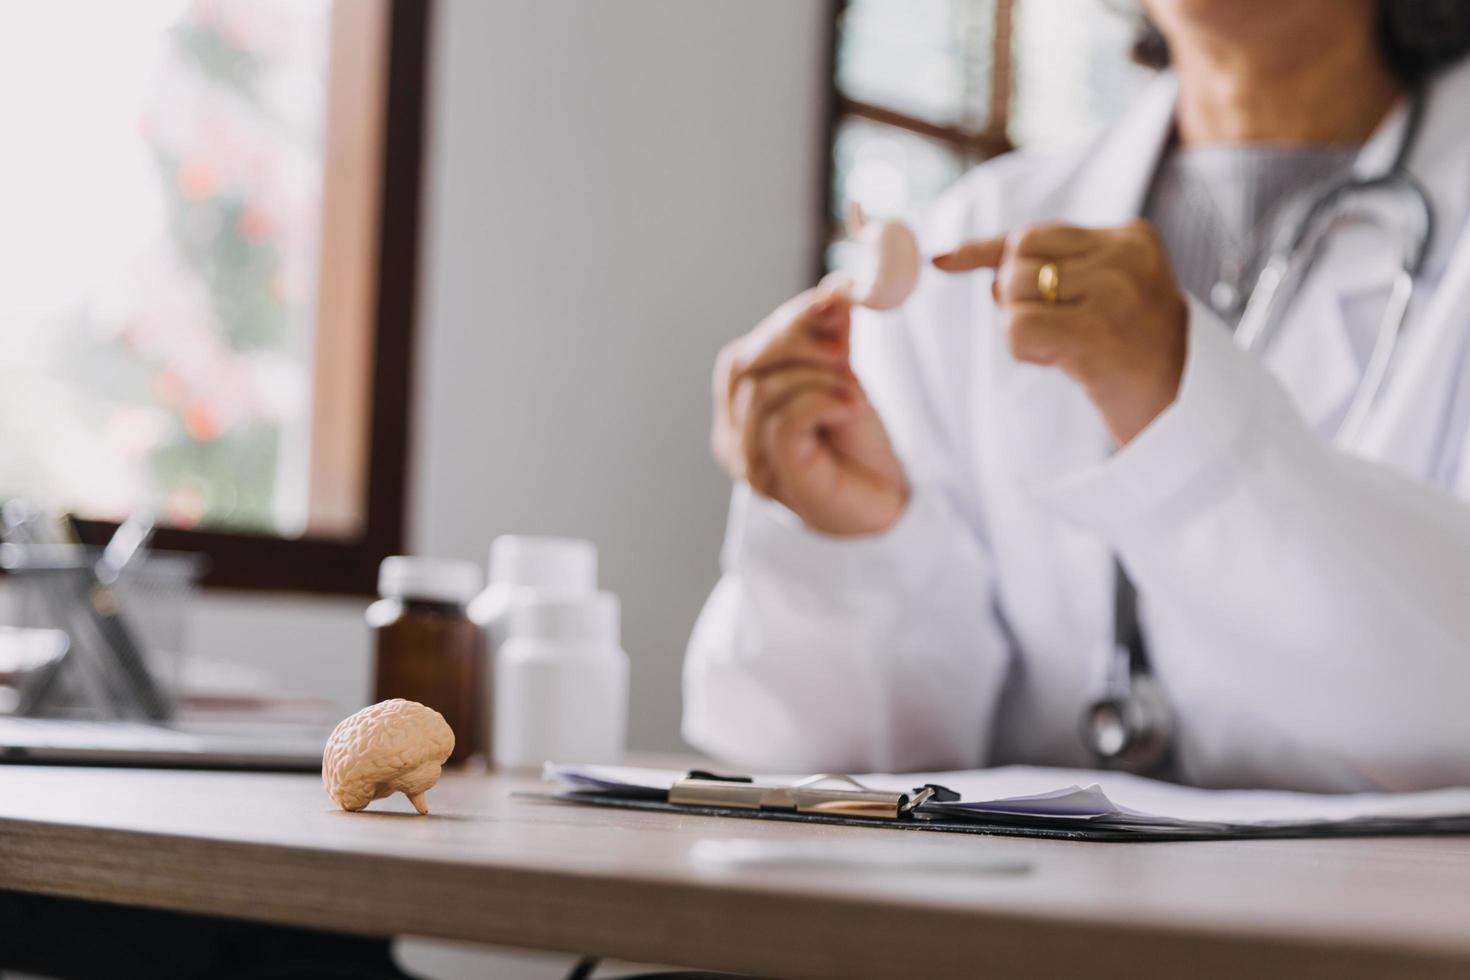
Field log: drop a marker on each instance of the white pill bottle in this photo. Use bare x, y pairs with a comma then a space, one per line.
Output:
523, 565
531, 563
561, 682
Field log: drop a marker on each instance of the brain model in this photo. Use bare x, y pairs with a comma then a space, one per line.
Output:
391, 747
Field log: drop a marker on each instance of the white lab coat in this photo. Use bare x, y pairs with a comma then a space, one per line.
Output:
1307, 606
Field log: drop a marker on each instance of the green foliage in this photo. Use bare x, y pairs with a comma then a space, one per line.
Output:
222, 469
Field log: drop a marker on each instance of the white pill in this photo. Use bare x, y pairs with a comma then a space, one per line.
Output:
888, 262
888, 265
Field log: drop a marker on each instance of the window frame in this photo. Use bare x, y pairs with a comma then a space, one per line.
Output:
974, 145
348, 565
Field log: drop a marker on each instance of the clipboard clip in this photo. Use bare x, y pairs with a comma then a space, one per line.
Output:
830, 794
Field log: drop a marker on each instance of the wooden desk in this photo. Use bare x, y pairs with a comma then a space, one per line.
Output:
486, 867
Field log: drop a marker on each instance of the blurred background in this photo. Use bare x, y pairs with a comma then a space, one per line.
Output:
318, 281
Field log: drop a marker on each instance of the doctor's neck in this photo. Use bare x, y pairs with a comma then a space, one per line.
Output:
1287, 72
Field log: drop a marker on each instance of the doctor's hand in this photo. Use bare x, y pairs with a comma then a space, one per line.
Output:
1100, 304
792, 420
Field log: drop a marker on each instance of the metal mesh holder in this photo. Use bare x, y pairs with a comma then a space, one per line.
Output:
153, 597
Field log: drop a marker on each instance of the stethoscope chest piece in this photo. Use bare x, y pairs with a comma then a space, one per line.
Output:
1131, 727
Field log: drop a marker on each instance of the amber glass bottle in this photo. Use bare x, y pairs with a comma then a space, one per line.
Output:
427, 650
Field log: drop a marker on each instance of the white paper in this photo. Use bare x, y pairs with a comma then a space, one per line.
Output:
610, 777
1137, 797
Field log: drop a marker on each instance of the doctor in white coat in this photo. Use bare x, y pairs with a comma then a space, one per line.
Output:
919, 566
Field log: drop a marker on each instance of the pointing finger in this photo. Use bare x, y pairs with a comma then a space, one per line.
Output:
985, 253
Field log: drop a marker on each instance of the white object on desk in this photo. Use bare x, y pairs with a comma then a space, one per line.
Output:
522, 565
546, 565
561, 682
271, 745
913, 858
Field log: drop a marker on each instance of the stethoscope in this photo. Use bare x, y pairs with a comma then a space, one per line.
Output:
1131, 726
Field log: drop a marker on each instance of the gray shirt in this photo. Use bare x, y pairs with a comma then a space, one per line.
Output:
1218, 209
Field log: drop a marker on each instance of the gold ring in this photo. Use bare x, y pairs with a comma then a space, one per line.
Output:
1049, 281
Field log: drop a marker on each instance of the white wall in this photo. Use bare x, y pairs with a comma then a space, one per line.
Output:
615, 189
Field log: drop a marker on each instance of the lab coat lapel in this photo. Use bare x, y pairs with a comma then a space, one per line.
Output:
1428, 367
1051, 428
1313, 353
1111, 191
1320, 349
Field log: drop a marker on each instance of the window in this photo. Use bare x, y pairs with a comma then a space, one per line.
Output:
925, 89
200, 196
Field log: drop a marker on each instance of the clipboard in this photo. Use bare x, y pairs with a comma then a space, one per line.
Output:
834, 800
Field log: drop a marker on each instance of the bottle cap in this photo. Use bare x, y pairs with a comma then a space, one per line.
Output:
542, 616
547, 564
435, 579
